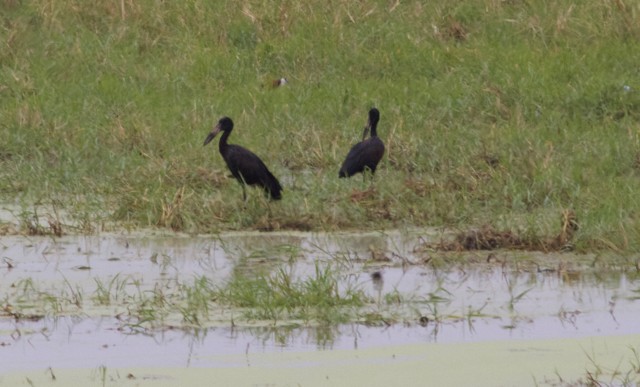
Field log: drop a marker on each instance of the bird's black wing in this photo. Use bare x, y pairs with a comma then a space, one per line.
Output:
249, 168
365, 154
354, 162
244, 164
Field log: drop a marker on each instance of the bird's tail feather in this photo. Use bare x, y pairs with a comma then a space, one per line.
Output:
272, 187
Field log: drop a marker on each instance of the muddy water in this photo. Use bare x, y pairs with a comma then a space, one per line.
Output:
431, 298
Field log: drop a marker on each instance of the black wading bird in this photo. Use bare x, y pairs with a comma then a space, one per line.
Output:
367, 153
245, 166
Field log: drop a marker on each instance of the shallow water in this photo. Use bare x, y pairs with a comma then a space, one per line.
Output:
474, 299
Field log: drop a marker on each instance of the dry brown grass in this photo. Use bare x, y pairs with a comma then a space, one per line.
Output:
488, 238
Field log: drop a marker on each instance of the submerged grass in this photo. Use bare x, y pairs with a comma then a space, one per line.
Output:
264, 298
493, 112
277, 297
285, 295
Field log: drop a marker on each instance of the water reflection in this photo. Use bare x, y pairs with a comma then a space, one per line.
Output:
416, 296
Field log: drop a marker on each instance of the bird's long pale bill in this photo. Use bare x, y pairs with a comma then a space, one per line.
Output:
212, 135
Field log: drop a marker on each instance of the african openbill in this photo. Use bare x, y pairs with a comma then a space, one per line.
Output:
245, 166
367, 153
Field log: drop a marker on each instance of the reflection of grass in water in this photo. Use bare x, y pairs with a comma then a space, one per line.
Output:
101, 374
513, 297
28, 302
196, 300
111, 291
275, 297
271, 297
278, 296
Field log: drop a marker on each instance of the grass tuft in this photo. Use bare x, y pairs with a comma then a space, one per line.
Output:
279, 297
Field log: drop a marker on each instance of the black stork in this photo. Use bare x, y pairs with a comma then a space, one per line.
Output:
244, 165
367, 153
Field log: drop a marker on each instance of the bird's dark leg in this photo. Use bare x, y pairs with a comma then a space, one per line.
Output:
269, 210
365, 172
244, 190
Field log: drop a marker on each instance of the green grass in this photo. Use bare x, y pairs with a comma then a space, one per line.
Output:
499, 112
276, 298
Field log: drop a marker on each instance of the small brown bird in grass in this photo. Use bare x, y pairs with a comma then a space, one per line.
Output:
279, 82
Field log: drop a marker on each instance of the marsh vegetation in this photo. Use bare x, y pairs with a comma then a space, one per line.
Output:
112, 296
506, 124
504, 113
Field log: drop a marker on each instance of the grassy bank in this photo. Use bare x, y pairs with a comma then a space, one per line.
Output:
493, 112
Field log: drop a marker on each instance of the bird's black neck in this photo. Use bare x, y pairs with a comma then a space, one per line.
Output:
374, 126
223, 140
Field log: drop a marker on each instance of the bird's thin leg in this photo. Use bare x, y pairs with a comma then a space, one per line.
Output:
269, 210
244, 193
365, 172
